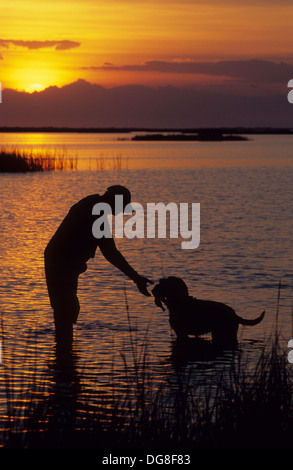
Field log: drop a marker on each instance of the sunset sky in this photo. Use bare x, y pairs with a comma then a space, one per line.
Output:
221, 51
115, 42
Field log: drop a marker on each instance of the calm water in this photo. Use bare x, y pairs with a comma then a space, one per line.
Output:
245, 192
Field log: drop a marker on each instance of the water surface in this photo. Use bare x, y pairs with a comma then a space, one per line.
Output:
245, 192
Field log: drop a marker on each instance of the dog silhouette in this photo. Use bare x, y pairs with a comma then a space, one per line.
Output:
189, 316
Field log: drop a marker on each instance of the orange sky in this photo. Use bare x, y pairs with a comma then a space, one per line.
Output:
56, 42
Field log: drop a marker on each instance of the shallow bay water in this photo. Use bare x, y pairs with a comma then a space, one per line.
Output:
245, 251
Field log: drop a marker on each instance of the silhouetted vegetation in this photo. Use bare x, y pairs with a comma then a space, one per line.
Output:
201, 137
21, 161
114, 163
250, 406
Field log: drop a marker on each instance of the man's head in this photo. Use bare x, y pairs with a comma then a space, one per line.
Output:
117, 190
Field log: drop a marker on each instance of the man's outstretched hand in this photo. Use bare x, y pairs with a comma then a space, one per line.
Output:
141, 283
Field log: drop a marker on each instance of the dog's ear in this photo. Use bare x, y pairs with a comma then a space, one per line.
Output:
159, 304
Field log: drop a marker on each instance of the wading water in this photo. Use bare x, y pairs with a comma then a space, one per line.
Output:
127, 375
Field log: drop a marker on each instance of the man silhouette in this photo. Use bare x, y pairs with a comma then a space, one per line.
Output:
67, 253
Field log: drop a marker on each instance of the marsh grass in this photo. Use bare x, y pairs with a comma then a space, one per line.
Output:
248, 406
114, 163
23, 161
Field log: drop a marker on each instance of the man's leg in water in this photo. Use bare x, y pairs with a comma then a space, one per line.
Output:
62, 288
66, 310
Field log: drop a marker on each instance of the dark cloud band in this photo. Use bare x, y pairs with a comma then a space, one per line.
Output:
251, 70
33, 45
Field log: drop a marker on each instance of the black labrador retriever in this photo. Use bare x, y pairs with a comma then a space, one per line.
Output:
190, 316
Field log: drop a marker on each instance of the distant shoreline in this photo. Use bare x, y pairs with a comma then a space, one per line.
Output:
127, 130
201, 137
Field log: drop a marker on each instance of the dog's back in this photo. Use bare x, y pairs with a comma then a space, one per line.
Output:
191, 316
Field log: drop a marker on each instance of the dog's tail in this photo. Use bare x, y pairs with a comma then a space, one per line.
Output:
244, 321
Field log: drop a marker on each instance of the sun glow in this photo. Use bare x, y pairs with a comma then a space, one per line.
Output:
34, 87
60, 42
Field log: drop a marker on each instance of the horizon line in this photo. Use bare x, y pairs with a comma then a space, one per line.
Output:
230, 130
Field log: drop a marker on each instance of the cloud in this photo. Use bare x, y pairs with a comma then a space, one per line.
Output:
255, 70
63, 45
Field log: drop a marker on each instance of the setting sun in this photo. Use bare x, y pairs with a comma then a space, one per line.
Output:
127, 34
183, 340
34, 87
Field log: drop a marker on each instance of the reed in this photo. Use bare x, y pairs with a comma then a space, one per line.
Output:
113, 163
249, 406
23, 161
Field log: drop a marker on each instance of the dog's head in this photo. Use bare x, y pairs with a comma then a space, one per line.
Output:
169, 288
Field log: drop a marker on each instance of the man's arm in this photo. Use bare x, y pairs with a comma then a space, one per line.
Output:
113, 255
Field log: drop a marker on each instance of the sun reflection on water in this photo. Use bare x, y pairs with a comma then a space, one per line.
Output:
244, 252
